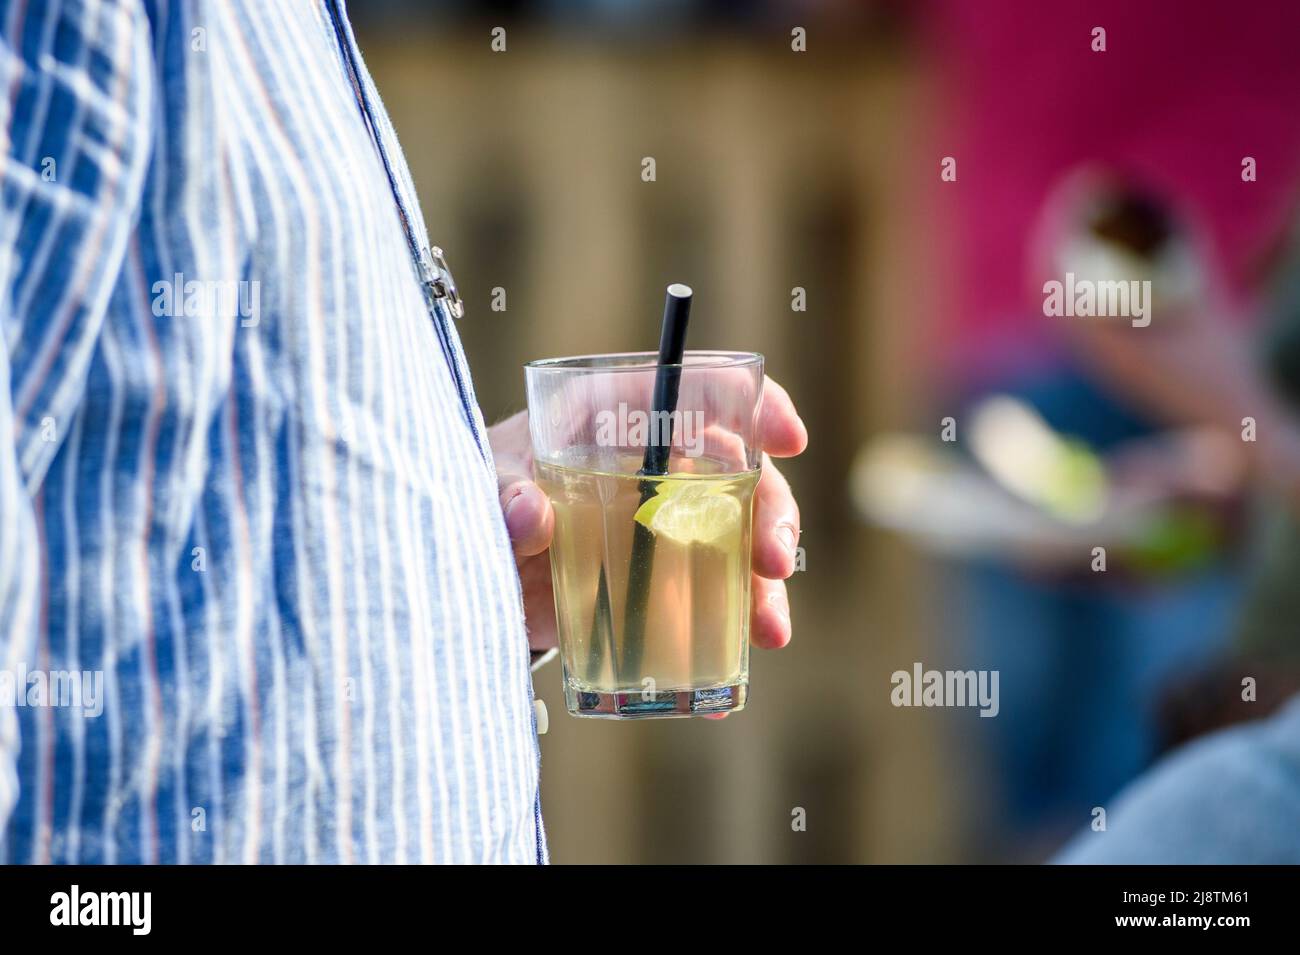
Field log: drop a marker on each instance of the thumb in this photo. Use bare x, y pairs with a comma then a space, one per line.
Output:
528, 514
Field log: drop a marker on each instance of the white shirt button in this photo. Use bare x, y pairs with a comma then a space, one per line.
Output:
543, 720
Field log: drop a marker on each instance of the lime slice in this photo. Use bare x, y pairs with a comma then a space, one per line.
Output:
690, 512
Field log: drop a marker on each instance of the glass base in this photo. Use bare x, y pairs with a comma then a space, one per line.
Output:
636, 705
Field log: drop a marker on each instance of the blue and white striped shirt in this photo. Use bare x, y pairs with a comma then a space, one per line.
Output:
243, 476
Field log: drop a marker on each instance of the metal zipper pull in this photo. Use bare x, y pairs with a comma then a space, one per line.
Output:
438, 280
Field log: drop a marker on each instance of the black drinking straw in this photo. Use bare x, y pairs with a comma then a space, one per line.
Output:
672, 346
668, 376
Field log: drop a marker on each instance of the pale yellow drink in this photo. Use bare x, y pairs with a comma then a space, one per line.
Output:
693, 631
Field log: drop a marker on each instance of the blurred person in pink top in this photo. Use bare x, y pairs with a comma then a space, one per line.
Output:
1046, 128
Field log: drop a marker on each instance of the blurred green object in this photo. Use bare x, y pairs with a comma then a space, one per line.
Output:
1058, 473
1078, 485
1179, 539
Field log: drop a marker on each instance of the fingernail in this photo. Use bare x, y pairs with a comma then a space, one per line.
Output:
789, 538
780, 606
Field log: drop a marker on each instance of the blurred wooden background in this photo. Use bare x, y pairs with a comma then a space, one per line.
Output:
774, 170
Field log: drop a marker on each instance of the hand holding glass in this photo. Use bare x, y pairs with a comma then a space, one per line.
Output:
651, 571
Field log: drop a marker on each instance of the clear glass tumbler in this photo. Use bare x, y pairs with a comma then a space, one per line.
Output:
651, 554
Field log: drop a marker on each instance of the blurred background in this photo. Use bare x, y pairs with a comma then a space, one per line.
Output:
872, 194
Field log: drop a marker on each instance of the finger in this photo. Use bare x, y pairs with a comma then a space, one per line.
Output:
769, 626
781, 430
512, 448
721, 448
528, 514
776, 525
539, 602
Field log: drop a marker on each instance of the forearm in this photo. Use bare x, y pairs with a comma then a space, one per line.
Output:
1198, 371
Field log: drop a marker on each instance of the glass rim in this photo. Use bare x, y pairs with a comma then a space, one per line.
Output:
645, 361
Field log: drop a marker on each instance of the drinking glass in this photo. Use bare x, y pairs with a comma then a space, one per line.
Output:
651, 554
